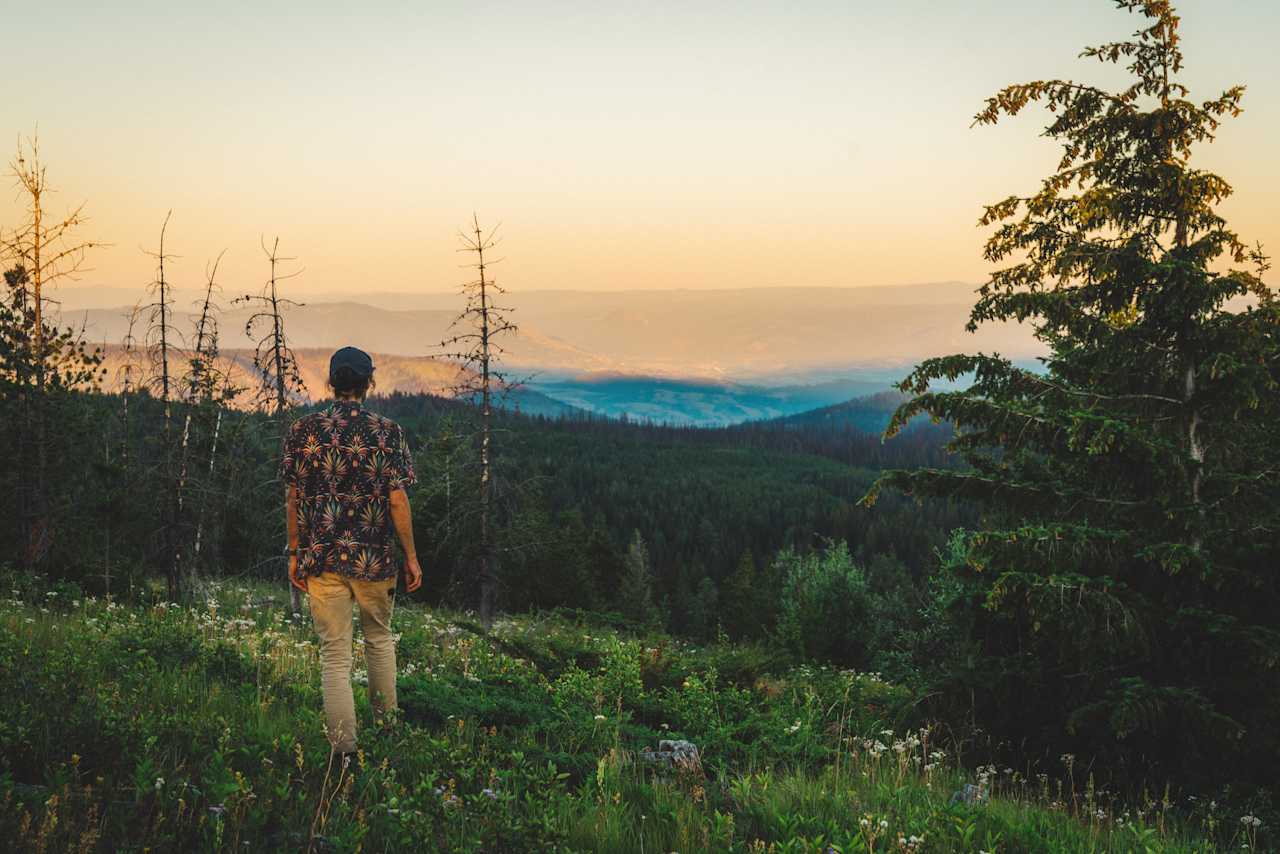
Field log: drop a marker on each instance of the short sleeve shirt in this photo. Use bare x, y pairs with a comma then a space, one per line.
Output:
345, 462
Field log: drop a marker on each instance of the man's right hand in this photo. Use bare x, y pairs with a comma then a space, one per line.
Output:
412, 574
294, 578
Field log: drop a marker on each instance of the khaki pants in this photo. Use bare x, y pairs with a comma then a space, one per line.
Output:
331, 596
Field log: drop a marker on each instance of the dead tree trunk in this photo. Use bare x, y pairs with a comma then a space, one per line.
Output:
126, 376
161, 339
281, 398
478, 355
201, 383
273, 360
213, 454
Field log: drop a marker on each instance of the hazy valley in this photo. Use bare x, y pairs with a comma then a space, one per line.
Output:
696, 357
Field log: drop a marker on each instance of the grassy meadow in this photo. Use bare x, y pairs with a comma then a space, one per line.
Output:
166, 728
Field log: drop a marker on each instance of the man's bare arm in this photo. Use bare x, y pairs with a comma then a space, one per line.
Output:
291, 515
402, 518
291, 525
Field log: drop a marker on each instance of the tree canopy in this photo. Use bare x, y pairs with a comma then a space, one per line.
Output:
1127, 559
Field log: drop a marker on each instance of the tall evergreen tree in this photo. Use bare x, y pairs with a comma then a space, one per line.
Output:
1127, 563
742, 614
635, 599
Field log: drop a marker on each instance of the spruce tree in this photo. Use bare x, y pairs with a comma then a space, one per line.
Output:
1128, 557
635, 598
741, 614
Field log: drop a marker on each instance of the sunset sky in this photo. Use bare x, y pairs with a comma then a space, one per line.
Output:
622, 145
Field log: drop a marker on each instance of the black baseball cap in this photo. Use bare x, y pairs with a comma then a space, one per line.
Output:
350, 363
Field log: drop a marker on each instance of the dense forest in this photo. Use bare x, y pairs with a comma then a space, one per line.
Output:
713, 506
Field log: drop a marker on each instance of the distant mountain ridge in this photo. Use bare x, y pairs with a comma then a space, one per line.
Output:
765, 336
695, 402
709, 358
653, 399
870, 413
403, 374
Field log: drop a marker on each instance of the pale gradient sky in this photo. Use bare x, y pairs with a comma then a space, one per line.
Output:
623, 145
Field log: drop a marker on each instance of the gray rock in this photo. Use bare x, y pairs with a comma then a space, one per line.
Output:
674, 754
970, 794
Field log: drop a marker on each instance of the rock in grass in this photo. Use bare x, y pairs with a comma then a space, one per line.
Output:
969, 794
678, 755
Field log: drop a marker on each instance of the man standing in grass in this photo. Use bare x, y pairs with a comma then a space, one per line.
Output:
345, 471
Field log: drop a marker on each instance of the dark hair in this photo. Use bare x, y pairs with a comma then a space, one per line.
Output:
348, 383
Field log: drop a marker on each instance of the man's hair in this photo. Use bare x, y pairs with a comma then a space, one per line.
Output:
348, 383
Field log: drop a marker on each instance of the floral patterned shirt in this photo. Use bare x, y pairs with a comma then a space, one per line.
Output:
345, 462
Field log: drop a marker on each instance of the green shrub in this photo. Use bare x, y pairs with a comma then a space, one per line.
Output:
827, 609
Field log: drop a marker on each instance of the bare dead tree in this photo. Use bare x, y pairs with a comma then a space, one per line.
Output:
161, 337
200, 375
279, 379
207, 390
228, 392
48, 251
218, 386
477, 349
163, 349
127, 378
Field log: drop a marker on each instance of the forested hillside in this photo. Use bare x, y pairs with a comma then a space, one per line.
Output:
707, 504
711, 506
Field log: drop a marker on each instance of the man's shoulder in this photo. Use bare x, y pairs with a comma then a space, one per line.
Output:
381, 420
303, 423
308, 425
